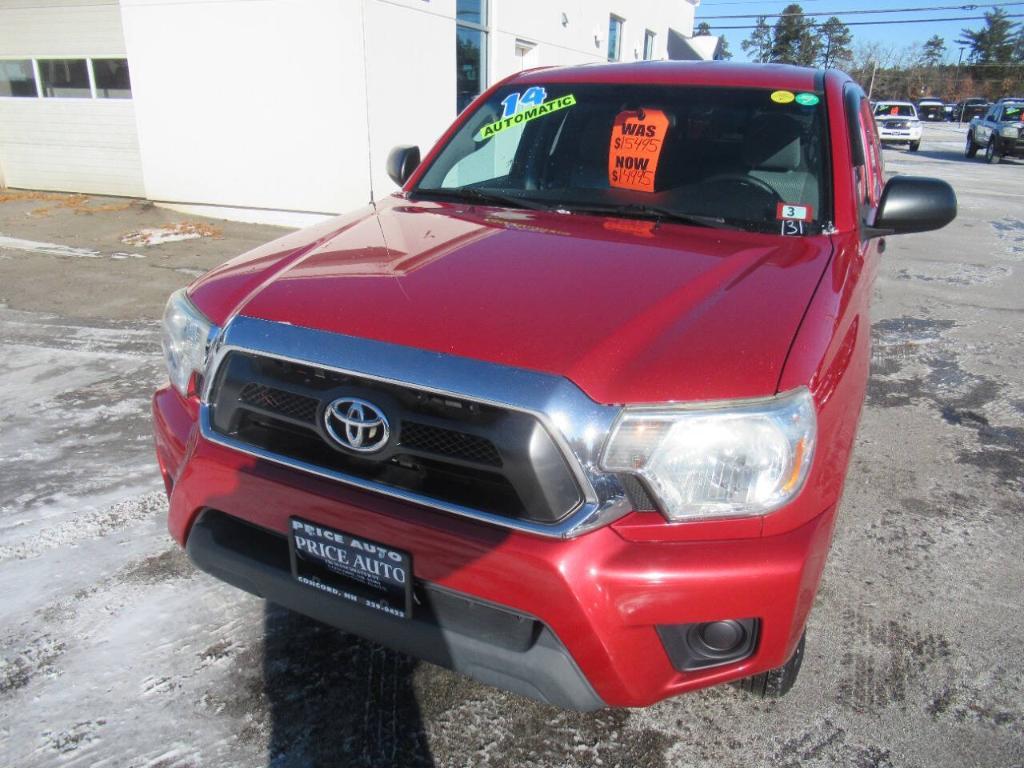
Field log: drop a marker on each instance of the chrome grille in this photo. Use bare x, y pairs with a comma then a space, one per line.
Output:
496, 459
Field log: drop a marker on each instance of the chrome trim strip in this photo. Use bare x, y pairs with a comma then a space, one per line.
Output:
576, 423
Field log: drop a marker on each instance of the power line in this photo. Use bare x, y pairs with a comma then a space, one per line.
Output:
758, 2
887, 21
967, 7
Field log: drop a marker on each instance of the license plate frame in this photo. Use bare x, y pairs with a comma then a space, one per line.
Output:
351, 568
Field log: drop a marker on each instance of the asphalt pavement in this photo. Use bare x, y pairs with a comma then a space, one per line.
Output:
115, 651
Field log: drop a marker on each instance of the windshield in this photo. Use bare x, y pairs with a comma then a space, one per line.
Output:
895, 110
753, 159
1013, 112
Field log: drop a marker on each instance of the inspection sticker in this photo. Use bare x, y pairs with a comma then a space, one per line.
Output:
793, 212
637, 140
524, 115
783, 97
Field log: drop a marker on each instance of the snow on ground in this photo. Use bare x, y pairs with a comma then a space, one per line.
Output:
99, 640
53, 249
172, 233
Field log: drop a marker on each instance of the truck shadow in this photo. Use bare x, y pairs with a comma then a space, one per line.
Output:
949, 155
337, 700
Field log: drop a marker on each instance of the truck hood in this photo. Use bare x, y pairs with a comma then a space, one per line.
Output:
630, 310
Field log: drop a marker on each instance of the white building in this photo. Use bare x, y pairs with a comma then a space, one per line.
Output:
260, 106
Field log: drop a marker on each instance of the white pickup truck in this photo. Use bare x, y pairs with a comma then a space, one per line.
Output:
898, 123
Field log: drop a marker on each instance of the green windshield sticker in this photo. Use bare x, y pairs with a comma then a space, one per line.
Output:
807, 99
524, 115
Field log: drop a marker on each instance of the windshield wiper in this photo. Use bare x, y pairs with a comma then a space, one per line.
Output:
653, 211
484, 197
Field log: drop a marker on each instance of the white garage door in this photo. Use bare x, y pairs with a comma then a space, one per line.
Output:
67, 121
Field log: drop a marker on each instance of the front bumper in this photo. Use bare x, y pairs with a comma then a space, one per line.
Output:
898, 137
1011, 147
596, 600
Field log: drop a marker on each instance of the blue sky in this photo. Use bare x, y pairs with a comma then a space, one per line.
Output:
898, 35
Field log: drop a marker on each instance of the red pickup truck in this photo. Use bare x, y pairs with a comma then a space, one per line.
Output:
571, 412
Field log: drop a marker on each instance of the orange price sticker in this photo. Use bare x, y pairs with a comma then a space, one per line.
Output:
637, 141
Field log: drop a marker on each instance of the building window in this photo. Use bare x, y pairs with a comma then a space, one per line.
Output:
111, 78
470, 50
17, 78
65, 78
614, 37
648, 45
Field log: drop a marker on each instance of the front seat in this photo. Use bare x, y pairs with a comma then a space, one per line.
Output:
773, 151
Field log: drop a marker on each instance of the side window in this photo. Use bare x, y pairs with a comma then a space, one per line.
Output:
874, 178
864, 148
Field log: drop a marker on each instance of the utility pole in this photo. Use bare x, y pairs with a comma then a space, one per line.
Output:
956, 84
871, 87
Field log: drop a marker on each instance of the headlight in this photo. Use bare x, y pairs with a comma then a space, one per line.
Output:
717, 461
186, 339
1009, 132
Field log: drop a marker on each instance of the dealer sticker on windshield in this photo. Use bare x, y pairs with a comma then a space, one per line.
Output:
351, 568
793, 212
519, 108
638, 137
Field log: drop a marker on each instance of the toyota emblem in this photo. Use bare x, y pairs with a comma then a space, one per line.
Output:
357, 425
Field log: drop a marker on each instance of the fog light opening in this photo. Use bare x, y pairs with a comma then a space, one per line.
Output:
721, 636
709, 643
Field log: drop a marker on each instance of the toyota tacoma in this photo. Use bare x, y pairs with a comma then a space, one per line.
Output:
571, 411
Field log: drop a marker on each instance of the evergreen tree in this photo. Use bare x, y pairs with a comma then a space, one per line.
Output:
794, 38
995, 42
759, 44
934, 52
724, 53
835, 43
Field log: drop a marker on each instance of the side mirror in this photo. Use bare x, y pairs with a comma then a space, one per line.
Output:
914, 204
402, 161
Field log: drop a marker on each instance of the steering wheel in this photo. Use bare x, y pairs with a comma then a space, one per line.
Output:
748, 181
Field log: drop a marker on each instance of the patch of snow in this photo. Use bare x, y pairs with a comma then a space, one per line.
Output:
51, 249
54, 249
170, 233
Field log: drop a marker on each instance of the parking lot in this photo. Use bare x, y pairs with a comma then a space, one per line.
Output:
115, 651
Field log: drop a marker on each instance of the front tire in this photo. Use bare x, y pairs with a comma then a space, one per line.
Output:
775, 683
992, 152
971, 149
914, 146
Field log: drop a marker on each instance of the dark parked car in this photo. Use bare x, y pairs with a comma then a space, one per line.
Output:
1000, 132
968, 109
932, 110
